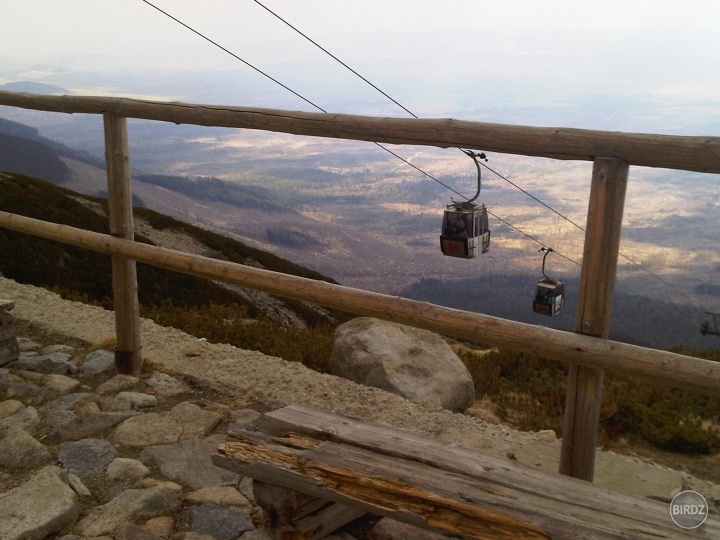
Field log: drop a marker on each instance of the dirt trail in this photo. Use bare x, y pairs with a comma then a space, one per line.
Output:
270, 382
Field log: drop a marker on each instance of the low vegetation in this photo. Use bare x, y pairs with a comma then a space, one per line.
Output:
528, 392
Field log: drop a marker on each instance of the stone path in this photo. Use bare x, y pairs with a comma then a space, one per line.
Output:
87, 454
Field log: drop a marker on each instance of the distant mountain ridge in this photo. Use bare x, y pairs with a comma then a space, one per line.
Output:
34, 88
21, 131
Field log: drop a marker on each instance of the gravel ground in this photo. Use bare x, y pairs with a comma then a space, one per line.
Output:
268, 382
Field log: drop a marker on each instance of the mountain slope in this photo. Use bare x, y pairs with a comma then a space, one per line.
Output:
16, 129
80, 272
32, 158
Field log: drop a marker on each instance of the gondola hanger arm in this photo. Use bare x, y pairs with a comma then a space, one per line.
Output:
475, 157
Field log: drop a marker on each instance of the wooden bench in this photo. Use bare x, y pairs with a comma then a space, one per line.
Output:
9, 350
314, 471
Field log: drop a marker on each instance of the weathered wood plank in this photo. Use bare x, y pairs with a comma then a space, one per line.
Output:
659, 366
669, 151
322, 425
378, 489
427, 496
128, 353
297, 515
284, 505
595, 299
326, 521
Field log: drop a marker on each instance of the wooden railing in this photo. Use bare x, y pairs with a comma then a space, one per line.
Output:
588, 350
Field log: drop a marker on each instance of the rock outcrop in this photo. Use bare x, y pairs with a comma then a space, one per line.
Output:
414, 363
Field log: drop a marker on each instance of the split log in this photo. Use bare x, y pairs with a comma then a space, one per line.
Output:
289, 513
392, 473
699, 153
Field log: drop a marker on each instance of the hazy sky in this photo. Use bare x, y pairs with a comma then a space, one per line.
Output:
424, 51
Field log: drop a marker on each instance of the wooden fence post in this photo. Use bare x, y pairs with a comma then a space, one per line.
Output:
128, 352
595, 296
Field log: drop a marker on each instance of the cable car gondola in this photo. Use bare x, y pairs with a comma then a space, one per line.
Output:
465, 231
550, 295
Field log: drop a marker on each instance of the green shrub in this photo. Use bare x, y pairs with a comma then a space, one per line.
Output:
529, 393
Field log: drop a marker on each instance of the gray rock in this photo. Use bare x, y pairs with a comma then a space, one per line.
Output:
31, 376
20, 450
139, 399
66, 403
147, 430
88, 425
189, 535
38, 508
27, 419
59, 348
132, 505
98, 361
130, 531
189, 462
257, 534
219, 496
161, 526
218, 522
195, 421
56, 419
167, 386
78, 486
28, 391
88, 458
86, 407
117, 384
244, 417
114, 403
50, 363
414, 363
10, 407
126, 469
11, 352
60, 385
27, 345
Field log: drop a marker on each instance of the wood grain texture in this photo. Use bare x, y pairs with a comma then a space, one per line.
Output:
128, 354
659, 366
396, 474
595, 299
700, 153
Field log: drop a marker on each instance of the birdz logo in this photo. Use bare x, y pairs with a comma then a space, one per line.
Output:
688, 509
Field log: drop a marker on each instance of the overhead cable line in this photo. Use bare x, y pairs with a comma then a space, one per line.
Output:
234, 55
323, 110
520, 188
323, 49
403, 106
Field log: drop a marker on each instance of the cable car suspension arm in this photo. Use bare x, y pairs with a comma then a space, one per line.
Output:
547, 251
475, 156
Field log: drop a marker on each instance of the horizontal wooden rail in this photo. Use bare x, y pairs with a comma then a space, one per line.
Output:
668, 151
659, 366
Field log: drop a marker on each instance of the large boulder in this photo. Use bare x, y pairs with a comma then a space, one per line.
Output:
414, 363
